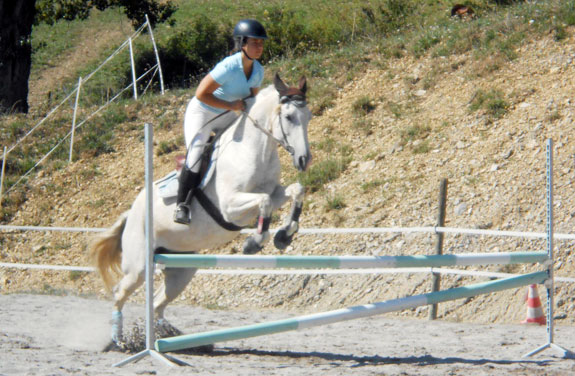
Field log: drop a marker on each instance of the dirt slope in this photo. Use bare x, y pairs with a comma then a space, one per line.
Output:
422, 130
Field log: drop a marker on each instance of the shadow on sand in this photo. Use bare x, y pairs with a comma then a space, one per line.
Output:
361, 361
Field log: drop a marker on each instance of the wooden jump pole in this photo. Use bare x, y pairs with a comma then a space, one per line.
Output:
356, 312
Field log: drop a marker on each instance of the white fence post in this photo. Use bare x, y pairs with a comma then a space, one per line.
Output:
74, 119
135, 83
85, 79
157, 55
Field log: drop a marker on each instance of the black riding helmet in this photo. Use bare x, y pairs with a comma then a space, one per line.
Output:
250, 29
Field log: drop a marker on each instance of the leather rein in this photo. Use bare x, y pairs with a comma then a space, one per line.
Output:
297, 98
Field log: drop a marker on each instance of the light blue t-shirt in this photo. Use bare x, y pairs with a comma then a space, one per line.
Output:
229, 73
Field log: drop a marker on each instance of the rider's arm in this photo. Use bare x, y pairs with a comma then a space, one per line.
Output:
205, 93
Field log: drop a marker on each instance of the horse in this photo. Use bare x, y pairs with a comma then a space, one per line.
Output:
242, 185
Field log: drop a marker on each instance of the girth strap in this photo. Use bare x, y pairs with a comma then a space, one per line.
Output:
214, 212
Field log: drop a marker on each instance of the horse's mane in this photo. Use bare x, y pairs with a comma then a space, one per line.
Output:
266, 98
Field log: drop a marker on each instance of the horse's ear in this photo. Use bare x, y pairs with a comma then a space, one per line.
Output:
303, 84
280, 86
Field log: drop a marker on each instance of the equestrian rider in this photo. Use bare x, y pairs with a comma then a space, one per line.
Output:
218, 95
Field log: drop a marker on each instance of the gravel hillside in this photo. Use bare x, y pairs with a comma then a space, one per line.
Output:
420, 131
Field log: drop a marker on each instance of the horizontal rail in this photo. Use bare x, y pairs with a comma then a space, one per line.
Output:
50, 228
351, 262
348, 230
268, 272
356, 312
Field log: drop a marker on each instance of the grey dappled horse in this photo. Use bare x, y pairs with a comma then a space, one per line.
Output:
244, 185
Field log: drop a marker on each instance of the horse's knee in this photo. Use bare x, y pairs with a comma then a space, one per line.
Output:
265, 205
127, 285
296, 191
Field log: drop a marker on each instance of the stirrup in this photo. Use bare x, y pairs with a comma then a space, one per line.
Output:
182, 214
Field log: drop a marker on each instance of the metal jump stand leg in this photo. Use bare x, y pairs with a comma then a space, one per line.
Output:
550, 263
150, 335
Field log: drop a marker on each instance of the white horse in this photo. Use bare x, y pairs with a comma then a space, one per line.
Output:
243, 185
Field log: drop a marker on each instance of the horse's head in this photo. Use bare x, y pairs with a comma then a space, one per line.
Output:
293, 118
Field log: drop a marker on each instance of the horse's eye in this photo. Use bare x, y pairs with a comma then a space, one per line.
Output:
289, 118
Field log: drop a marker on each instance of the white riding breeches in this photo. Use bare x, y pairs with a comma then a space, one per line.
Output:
198, 126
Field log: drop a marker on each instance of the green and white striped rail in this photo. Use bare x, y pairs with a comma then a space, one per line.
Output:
346, 262
356, 312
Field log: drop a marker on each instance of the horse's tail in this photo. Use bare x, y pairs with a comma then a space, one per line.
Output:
106, 251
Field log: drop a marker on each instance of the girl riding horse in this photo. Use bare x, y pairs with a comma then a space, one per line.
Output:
219, 94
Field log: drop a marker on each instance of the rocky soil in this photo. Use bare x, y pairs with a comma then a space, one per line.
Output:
421, 131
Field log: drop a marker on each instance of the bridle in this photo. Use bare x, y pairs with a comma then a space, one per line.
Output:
298, 100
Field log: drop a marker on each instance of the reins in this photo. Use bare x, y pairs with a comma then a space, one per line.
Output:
295, 99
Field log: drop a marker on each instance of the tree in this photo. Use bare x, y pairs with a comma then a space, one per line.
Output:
17, 18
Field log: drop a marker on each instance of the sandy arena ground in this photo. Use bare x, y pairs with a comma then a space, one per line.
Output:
54, 335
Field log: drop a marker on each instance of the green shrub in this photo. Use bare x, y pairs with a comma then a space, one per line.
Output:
189, 53
323, 172
414, 132
75, 275
365, 126
422, 148
492, 101
368, 186
390, 16
363, 106
97, 135
166, 147
335, 202
425, 42
566, 13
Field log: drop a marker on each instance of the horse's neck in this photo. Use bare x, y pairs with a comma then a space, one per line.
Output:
250, 128
255, 138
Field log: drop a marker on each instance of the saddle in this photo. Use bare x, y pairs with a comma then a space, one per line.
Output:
168, 185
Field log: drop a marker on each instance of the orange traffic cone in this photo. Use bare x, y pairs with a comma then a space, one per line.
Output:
534, 310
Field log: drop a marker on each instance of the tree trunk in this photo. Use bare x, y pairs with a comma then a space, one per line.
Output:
16, 19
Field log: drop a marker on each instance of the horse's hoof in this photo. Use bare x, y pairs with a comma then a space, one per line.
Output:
251, 247
282, 240
112, 346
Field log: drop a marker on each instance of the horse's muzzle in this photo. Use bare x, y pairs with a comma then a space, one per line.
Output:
303, 161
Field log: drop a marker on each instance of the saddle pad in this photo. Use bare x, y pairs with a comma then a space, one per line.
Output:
168, 185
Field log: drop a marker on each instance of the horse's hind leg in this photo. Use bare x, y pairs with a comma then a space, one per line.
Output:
126, 287
175, 281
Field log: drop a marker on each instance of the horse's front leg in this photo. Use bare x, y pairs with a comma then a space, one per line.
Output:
285, 233
242, 205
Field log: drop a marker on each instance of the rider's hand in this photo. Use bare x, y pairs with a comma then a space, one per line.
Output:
238, 105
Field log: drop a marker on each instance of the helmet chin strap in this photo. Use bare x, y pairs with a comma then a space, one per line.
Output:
245, 53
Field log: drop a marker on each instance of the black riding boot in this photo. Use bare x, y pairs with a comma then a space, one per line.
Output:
188, 183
